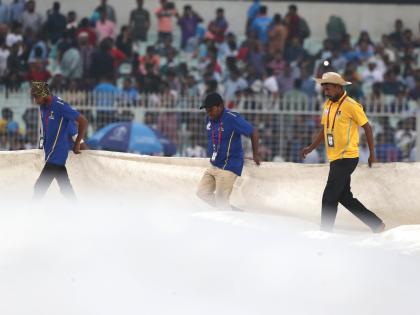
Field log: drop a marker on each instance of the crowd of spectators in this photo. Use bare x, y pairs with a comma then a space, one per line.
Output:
187, 56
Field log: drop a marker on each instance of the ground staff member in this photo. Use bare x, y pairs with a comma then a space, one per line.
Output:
56, 116
341, 118
224, 129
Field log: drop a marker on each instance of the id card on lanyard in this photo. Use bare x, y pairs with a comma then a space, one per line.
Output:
216, 147
330, 133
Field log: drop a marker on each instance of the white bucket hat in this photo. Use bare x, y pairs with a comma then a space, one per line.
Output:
333, 78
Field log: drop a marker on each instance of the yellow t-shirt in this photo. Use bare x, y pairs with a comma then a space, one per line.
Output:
346, 128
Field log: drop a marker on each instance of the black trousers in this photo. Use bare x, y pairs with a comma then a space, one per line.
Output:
49, 172
338, 190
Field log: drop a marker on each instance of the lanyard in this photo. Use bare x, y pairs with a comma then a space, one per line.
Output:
219, 135
335, 116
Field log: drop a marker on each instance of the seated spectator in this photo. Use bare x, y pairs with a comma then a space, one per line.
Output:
86, 51
151, 59
257, 58
371, 75
234, 83
386, 150
72, 25
150, 81
40, 45
278, 64
84, 27
190, 87
286, 80
130, 94
124, 41
295, 95
14, 76
105, 96
337, 60
405, 137
308, 83
195, 149
165, 47
102, 61
38, 72
414, 93
15, 35
118, 55
170, 64
294, 51
4, 54
363, 51
270, 84
72, 63
391, 86
229, 48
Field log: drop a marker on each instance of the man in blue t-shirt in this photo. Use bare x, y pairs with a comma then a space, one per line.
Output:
73, 132
224, 129
56, 115
261, 24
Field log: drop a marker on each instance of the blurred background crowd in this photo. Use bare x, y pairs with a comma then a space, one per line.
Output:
191, 54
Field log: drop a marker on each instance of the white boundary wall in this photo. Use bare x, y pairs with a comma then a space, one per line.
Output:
377, 19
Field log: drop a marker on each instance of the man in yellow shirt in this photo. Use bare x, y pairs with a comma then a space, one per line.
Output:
341, 118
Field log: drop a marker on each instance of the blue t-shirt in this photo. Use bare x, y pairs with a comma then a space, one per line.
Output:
260, 25
230, 155
55, 122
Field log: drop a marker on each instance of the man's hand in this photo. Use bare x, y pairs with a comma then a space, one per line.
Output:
305, 151
371, 160
256, 158
76, 148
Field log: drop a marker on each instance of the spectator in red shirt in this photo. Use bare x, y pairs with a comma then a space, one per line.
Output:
219, 26
150, 60
165, 14
84, 27
37, 72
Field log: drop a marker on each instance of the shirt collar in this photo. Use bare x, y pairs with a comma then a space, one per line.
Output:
339, 100
342, 97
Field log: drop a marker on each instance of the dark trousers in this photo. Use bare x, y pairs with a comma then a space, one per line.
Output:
338, 190
49, 172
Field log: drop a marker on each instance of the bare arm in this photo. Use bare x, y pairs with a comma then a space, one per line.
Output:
317, 141
83, 123
369, 138
255, 152
199, 18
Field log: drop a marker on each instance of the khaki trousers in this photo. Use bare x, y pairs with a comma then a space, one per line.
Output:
216, 186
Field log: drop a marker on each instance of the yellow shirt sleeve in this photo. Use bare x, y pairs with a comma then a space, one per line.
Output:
358, 114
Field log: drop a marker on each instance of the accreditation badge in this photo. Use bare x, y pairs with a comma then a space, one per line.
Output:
213, 157
41, 143
330, 140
